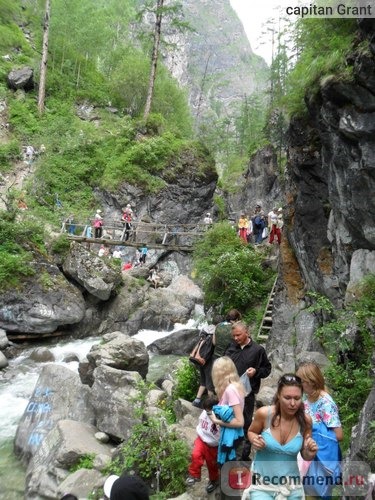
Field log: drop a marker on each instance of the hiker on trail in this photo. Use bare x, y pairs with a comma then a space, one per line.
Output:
243, 227
250, 358
273, 226
279, 433
205, 448
154, 277
205, 381
258, 224
144, 252
29, 153
71, 225
98, 224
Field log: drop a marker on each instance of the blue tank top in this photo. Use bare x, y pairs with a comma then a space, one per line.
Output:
276, 460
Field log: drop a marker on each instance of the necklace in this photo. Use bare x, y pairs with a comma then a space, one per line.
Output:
283, 436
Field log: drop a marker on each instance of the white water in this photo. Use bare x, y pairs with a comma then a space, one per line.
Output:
17, 383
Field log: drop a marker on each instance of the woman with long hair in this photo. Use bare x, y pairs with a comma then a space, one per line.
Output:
326, 430
318, 403
278, 433
228, 414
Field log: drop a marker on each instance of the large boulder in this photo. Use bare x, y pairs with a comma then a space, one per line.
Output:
91, 271
180, 342
58, 394
22, 78
63, 447
115, 397
121, 352
139, 306
42, 304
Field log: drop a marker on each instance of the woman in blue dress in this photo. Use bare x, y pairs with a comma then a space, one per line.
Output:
278, 433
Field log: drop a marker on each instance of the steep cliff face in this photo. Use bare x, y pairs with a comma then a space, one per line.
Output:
331, 181
215, 61
261, 183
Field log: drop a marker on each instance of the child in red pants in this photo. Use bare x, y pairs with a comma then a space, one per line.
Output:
205, 448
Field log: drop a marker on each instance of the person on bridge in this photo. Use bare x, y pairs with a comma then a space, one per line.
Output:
126, 220
98, 224
250, 358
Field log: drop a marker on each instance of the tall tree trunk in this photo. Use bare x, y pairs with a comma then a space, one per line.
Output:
43, 64
154, 60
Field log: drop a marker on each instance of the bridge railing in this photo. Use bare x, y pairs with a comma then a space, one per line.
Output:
139, 232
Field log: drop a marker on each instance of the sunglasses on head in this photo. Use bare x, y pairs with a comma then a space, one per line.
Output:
290, 379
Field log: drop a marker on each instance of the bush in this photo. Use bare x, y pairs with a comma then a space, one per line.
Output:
187, 377
231, 272
349, 372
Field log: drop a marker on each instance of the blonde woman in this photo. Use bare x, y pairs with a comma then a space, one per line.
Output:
228, 414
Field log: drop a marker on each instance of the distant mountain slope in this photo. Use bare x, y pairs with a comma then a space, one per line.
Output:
216, 62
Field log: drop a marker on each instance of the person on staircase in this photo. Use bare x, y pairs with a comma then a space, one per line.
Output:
250, 358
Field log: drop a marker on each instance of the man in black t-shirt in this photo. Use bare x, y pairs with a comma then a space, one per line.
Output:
249, 357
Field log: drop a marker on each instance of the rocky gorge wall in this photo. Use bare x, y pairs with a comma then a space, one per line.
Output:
329, 232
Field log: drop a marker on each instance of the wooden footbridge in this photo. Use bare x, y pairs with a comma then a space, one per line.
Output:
171, 237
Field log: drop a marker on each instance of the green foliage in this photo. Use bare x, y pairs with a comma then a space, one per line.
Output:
323, 45
187, 381
85, 462
20, 240
9, 152
230, 272
155, 451
349, 372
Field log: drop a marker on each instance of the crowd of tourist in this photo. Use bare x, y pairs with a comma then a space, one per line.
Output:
260, 226
282, 441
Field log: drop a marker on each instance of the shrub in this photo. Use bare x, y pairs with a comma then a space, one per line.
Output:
187, 378
231, 272
348, 341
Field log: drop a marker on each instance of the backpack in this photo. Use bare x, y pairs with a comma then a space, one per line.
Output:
259, 222
203, 350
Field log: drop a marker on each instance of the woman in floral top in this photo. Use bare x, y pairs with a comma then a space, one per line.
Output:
318, 403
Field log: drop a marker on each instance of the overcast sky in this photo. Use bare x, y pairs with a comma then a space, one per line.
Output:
253, 13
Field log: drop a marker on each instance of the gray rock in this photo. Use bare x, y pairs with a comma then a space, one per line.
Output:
91, 272
3, 361
180, 342
121, 352
102, 437
40, 308
49, 404
4, 342
62, 448
362, 264
22, 78
81, 483
115, 397
42, 355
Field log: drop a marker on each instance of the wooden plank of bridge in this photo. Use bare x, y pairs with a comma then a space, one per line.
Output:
157, 246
